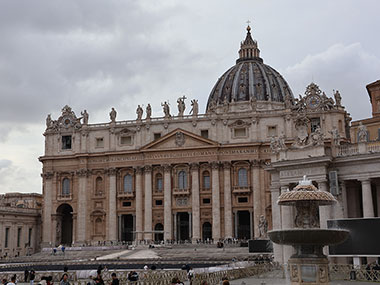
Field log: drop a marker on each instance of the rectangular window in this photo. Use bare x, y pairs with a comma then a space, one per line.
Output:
158, 202
272, 131
206, 201
126, 140
240, 132
314, 124
99, 142
157, 136
127, 204
6, 237
204, 134
66, 142
242, 199
18, 237
30, 237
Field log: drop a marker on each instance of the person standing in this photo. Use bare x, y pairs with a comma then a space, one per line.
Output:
26, 275
65, 280
32, 275
13, 280
115, 281
190, 275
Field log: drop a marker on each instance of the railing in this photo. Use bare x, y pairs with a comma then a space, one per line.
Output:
65, 197
346, 150
127, 195
373, 146
241, 189
179, 191
351, 272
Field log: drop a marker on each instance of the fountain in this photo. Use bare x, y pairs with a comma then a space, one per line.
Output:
308, 265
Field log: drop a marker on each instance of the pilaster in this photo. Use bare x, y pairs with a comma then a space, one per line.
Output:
227, 200
215, 202
195, 202
168, 233
139, 203
112, 218
148, 203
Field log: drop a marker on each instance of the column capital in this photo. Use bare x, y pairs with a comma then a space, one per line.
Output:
167, 167
365, 180
139, 170
83, 172
226, 164
194, 166
47, 175
215, 165
111, 171
148, 168
256, 162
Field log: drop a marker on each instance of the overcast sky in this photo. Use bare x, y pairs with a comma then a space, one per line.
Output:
94, 55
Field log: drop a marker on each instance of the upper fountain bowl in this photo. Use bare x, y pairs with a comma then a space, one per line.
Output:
306, 191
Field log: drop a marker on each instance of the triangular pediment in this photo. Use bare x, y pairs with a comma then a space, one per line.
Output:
179, 139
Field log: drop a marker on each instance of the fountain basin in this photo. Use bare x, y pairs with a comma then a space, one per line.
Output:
309, 236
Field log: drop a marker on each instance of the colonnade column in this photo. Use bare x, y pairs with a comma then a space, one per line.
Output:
47, 210
276, 221
215, 202
324, 211
148, 203
82, 206
344, 199
168, 233
368, 211
139, 204
287, 223
257, 210
227, 200
112, 218
195, 201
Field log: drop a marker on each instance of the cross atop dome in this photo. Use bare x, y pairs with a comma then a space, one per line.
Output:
249, 49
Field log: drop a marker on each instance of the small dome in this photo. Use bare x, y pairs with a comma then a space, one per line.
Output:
250, 79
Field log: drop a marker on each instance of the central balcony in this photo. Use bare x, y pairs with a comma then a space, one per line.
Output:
126, 195
181, 192
241, 190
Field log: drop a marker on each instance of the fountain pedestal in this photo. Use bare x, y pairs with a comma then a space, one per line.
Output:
313, 270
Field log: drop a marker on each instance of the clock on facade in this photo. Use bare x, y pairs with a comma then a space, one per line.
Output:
313, 101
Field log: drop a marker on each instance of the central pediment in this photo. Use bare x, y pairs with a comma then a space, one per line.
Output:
179, 139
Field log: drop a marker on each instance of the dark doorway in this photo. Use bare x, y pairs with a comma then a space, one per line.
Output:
159, 236
206, 231
244, 225
183, 232
65, 224
127, 227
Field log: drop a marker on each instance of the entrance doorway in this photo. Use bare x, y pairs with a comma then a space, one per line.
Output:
244, 225
158, 237
206, 231
127, 227
183, 232
64, 225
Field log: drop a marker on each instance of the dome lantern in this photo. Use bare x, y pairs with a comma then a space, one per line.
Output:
249, 49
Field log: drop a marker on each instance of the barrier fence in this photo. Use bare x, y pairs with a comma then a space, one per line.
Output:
164, 277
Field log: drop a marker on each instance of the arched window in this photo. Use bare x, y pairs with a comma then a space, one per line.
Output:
159, 182
66, 186
99, 186
242, 177
182, 180
128, 185
206, 180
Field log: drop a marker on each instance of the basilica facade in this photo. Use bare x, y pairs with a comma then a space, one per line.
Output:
187, 176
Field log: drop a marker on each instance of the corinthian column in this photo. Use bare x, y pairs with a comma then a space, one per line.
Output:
257, 210
139, 204
215, 202
112, 218
47, 210
324, 211
148, 203
168, 233
287, 223
227, 200
368, 211
82, 205
195, 201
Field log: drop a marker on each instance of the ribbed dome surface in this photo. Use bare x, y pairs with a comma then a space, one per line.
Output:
250, 79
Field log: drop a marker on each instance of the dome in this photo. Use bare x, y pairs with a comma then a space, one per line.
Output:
250, 79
